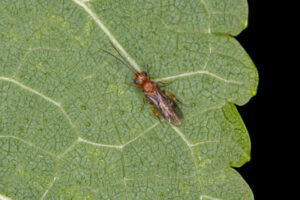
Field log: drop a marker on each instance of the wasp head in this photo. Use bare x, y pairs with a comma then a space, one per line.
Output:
140, 78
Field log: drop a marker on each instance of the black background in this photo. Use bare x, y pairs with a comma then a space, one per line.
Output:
261, 113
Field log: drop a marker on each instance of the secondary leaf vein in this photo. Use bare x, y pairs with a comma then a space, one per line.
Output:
43, 96
199, 72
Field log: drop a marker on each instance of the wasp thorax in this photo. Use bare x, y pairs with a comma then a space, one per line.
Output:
149, 87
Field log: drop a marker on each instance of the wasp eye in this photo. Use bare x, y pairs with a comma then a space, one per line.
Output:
135, 81
144, 73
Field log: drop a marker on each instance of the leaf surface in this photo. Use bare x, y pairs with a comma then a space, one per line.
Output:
70, 126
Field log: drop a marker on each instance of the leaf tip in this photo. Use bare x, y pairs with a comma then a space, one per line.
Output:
253, 92
245, 24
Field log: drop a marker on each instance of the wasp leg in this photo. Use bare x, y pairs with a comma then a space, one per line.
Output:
172, 96
165, 83
154, 111
142, 108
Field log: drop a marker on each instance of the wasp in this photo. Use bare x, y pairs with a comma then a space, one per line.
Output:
163, 100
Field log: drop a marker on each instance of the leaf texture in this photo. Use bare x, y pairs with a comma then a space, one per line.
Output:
70, 126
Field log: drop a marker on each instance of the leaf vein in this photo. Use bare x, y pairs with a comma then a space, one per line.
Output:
199, 72
208, 197
42, 96
118, 146
221, 141
27, 54
50, 186
28, 143
191, 150
108, 33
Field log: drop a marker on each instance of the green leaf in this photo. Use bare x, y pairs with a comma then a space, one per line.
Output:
70, 126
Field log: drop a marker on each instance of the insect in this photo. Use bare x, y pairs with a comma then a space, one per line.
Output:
163, 100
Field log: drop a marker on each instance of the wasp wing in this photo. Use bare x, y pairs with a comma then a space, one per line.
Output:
166, 106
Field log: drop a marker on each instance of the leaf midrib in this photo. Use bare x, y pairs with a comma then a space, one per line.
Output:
109, 34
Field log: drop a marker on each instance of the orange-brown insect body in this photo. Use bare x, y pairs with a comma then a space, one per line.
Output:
143, 81
164, 104
168, 108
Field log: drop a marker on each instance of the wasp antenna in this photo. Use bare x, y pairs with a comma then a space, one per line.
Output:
115, 48
120, 60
